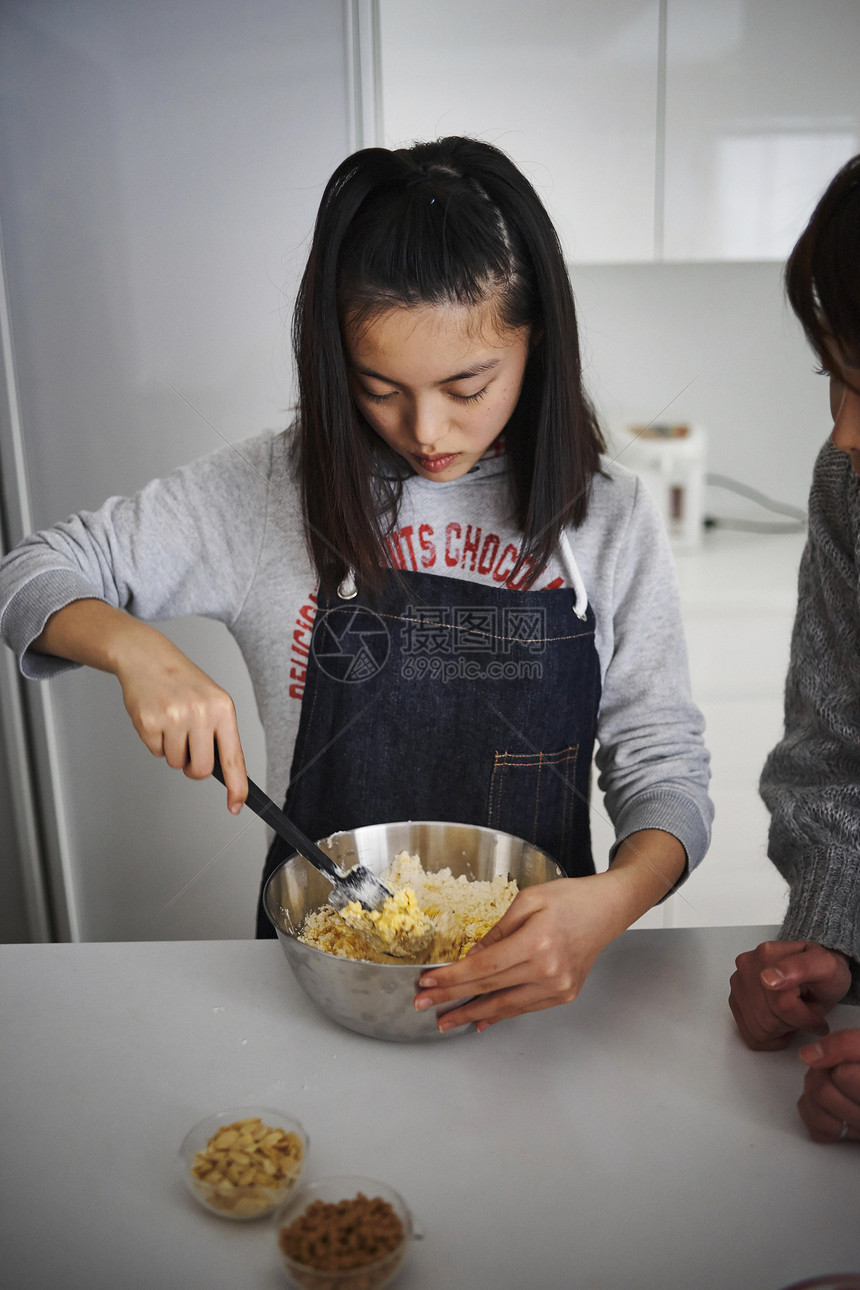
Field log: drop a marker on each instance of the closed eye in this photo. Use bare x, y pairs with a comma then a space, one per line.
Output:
377, 398
458, 398
469, 398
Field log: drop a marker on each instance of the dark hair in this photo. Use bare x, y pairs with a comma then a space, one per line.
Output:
447, 222
822, 275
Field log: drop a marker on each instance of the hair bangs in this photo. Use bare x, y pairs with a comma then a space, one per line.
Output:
440, 242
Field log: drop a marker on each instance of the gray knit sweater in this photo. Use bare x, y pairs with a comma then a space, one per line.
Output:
811, 780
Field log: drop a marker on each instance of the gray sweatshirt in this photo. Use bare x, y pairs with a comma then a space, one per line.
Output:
223, 537
811, 780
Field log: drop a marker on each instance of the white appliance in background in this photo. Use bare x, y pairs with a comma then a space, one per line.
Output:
670, 459
162, 167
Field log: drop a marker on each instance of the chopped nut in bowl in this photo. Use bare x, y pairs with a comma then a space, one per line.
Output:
343, 1233
244, 1163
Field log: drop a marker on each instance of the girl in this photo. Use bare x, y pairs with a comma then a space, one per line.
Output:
443, 592
811, 781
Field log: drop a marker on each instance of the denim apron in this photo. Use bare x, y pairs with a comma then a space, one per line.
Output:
448, 700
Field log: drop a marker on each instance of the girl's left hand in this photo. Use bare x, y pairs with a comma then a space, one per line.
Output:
537, 955
544, 946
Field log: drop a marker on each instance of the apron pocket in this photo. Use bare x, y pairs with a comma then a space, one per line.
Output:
533, 794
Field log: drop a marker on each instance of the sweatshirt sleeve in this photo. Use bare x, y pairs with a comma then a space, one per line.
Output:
652, 761
811, 780
185, 544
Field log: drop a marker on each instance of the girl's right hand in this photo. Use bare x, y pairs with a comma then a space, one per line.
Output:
178, 711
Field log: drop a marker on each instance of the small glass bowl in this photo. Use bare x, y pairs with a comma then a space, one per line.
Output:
229, 1198
370, 1276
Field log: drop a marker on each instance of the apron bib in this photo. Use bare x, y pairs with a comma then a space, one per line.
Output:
448, 700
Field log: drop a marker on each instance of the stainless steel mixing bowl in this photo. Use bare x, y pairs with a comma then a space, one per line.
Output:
376, 998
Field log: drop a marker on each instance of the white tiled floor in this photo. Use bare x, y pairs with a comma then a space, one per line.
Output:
738, 593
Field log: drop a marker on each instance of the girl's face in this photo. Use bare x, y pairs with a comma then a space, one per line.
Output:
844, 372
437, 383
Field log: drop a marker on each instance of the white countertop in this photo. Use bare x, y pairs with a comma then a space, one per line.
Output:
628, 1139
734, 574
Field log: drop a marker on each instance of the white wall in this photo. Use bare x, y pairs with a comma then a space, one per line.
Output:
713, 344
716, 345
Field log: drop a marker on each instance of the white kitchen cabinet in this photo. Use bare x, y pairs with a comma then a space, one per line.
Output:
762, 106
569, 90
663, 129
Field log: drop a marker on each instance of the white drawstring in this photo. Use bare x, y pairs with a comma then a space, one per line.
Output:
348, 589
571, 568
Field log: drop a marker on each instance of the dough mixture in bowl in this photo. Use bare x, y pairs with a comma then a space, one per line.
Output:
462, 912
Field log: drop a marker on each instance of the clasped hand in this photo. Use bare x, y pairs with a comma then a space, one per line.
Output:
830, 1103
785, 986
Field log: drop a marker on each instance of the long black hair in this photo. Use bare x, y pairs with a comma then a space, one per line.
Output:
822, 274
447, 222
